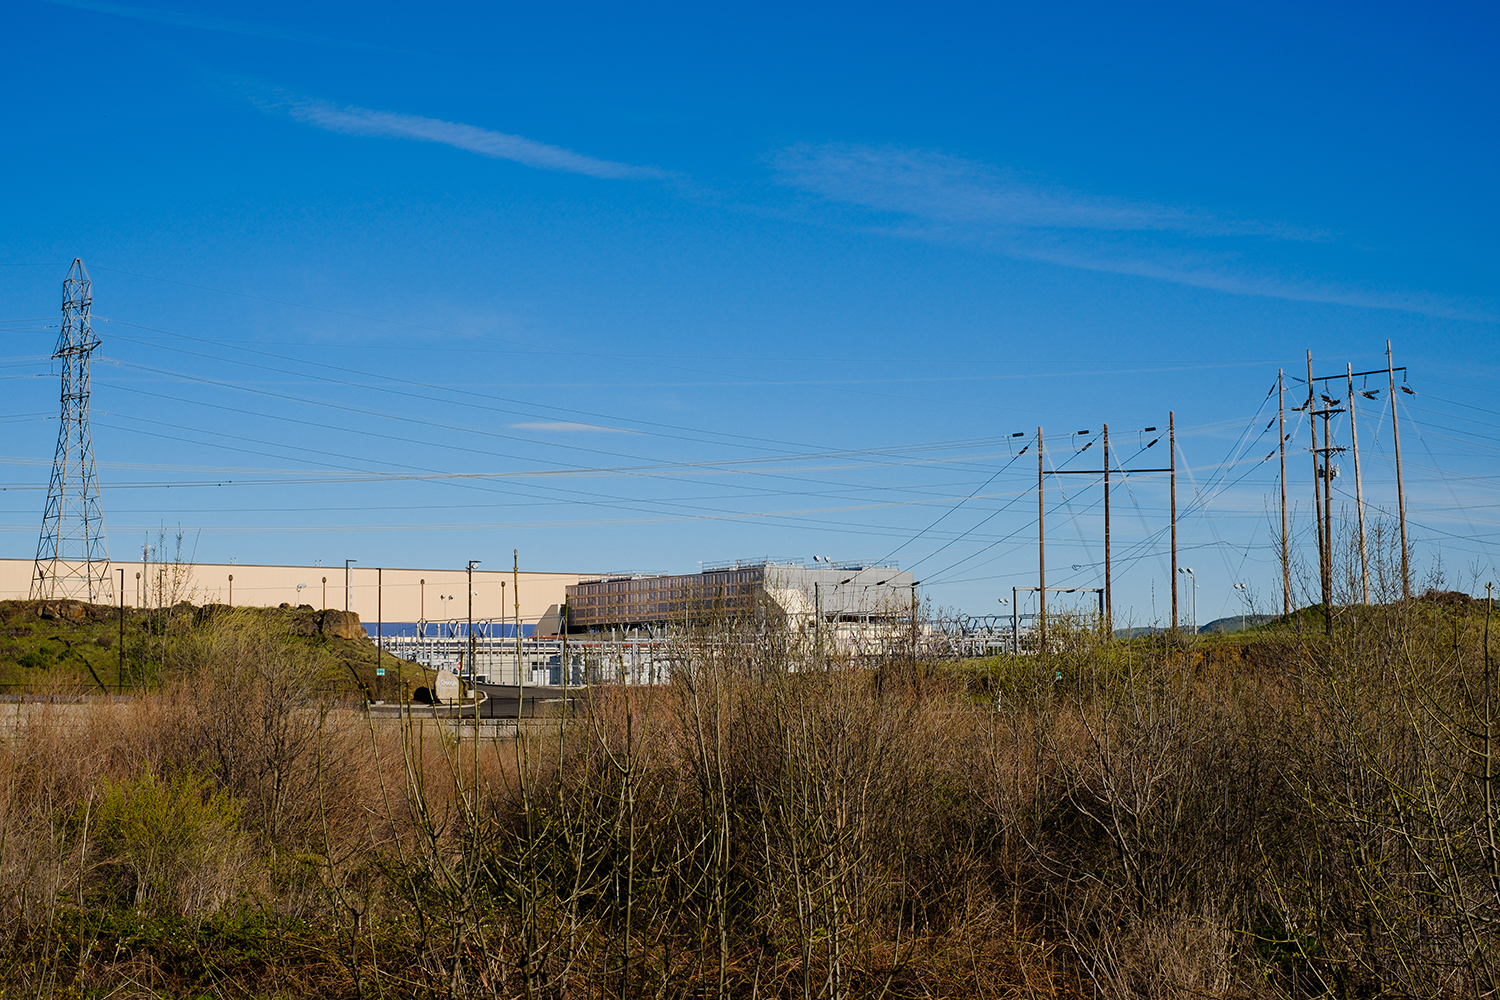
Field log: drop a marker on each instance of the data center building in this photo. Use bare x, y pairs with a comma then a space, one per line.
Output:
800, 594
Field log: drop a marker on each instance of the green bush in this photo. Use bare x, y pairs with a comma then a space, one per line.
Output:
172, 844
37, 659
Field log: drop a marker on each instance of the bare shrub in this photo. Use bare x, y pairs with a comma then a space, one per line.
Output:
251, 702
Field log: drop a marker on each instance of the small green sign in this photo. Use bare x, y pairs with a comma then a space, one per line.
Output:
380, 671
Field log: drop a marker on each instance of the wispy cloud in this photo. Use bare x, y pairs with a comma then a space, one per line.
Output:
1231, 273
935, 197
472, 138
960, 192
569, 427
205, 23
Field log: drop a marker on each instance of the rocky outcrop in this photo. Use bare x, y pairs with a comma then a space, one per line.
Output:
329, 623
76, 612
340, 625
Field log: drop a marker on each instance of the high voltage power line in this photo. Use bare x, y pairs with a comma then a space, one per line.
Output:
725, 486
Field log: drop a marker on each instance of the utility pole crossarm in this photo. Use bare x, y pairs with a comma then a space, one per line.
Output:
1377, 371
1098, 472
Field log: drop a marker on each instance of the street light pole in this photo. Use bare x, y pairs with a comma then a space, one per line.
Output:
346, 581
470, 643
1189, 571
1195, 599
1244, 603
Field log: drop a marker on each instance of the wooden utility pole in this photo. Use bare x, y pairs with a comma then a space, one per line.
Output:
1400, 490
1172, 468
1312, 426
914, 610
1109, 611
120, 678
818, 618
1286, 564
1041, 545
1106, 593
1359, 491
380, 627
1328, 451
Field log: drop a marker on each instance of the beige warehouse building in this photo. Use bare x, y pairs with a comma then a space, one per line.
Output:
392, 595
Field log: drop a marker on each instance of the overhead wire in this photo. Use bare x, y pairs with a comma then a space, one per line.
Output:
937, 577
955, 507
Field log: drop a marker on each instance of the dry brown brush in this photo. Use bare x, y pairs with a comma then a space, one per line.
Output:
1304, 818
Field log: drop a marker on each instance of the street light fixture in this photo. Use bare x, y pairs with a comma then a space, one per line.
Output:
1244, 603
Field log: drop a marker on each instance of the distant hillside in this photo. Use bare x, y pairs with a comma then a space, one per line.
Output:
1218, 626
1235, 623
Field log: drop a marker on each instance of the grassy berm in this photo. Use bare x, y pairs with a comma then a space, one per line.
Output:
1283, 813
70, 647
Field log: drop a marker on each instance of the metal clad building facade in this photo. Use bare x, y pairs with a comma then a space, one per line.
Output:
625, 601
842, 592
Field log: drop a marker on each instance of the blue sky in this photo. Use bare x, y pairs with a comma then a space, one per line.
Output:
633, 289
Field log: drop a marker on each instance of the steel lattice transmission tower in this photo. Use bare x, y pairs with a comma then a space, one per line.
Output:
72, 560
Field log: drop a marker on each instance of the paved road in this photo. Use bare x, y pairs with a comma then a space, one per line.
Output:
501, 701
